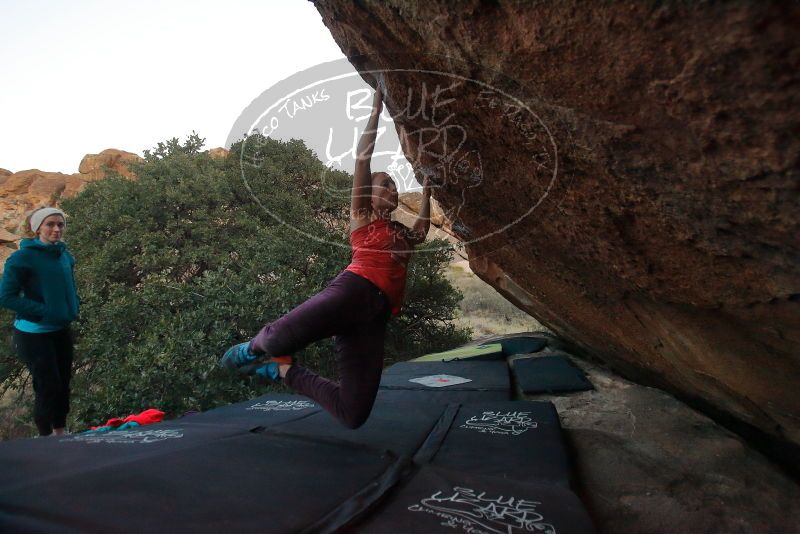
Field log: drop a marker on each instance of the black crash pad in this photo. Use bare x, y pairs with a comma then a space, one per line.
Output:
522, 344
256, 482
548, 374
516, 440
448, 501
395, 424
483, 376
443, 397
34, 462
267, 410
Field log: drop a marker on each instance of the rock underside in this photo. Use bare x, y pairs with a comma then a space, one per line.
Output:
625, 172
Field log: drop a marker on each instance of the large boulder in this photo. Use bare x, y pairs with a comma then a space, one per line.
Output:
627, 174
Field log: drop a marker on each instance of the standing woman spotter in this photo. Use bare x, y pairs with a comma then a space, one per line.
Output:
354, 307
39, 285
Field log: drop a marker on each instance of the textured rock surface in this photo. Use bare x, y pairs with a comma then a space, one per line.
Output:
5, 252
658, 142
411, 202
8, 237
646, 463
24, 191
94, 166
218, 152
8, 244
407, 209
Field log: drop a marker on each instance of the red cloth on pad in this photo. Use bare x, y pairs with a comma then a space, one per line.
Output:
147, 417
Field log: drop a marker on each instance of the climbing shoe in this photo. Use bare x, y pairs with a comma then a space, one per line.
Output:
238, 356
268, 372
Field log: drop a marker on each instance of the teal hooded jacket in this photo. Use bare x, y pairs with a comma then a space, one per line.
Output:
39, 284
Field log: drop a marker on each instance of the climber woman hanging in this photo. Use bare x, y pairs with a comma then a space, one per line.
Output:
354, 307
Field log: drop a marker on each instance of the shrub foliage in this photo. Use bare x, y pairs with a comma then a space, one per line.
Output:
197, 254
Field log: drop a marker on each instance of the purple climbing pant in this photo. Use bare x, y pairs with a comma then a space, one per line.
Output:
355, 311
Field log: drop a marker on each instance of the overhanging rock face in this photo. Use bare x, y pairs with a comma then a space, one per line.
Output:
627, 173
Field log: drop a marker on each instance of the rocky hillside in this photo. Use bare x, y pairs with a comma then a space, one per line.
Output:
25, 191
21, 192
627, 172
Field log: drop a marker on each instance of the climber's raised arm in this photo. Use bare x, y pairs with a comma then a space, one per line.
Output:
423, 222
361, 194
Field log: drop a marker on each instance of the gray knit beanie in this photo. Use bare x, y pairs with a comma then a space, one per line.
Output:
41, 214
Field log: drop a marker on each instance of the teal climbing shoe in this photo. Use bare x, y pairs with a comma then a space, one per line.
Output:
238, 356
267, 372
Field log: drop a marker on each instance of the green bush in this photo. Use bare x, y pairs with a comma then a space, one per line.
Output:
10, 368
183, 262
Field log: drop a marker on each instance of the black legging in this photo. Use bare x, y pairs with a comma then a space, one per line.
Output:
48, 357
355, 311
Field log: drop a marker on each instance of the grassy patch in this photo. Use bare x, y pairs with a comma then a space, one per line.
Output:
484, 310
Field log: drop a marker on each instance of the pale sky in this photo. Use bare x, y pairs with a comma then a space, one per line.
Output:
82, 76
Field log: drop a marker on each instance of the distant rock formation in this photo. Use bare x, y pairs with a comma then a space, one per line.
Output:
8, 243
24, 191
657, 142
218, 152
95, 166
8, 237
